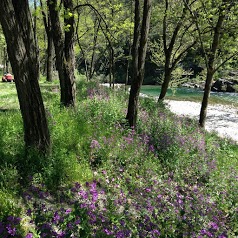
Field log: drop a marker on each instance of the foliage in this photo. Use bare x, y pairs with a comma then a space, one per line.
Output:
168, 178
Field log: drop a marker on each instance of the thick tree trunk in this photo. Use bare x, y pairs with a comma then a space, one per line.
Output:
139, 54
69, 62
64, 52
22, 50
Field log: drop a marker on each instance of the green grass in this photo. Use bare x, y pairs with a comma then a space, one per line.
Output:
126, 171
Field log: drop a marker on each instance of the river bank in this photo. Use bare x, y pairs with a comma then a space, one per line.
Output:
221, 119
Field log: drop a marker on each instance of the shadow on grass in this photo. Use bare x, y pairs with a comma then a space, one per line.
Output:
12, 110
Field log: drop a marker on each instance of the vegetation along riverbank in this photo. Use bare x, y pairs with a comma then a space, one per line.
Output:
169, 178
81, 160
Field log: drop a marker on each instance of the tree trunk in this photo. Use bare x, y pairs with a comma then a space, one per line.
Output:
139, 54
129, 54
127, 68
50, 44
206, 95
165, 85
210, 67
50, 58
168, 49
22, 50
134, 91
64, 52
5, 60
95, 38
69, 62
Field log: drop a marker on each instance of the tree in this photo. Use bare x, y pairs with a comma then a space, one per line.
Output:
214, 35
22, 50
176, 42
64, 50
103, 33
138, 57
50, 44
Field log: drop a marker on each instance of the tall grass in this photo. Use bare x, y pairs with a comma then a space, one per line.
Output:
167, 178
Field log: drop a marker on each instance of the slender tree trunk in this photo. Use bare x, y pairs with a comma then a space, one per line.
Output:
134, 91
129, 54
206, 95
127, 68
58, 40
34, 28
22, 50
210, 67
50, 44
5, 60
84, 57
92, 64
139, 54
50, 58
165, 85
112, 67
168, 49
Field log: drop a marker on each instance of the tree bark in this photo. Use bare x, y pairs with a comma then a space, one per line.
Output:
64, 52
138, 58
69, 61
165, 85
22, 50
206, 95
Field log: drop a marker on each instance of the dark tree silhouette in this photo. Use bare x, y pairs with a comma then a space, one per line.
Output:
138, 57
22, 50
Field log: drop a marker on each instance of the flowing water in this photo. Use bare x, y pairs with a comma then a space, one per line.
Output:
191, 94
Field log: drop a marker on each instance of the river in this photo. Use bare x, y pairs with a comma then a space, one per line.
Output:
191, 94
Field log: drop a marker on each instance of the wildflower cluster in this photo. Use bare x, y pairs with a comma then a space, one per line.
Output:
150, 207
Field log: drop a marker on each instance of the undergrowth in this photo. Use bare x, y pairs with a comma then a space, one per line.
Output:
167, 178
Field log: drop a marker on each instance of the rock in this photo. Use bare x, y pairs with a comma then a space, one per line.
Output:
192, 85
187, 85
224, 85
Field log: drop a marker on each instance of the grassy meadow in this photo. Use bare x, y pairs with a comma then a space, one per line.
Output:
167, 178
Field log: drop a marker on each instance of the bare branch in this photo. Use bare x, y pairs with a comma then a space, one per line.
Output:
226, 60
97, 13
198, 30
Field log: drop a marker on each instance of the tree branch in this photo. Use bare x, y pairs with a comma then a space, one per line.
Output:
230, 57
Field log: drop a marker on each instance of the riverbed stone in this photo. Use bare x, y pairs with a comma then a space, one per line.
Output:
224, 85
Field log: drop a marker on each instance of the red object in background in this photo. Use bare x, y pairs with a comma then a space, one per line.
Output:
7, 78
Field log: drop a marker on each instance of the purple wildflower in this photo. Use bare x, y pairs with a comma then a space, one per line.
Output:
95, 144
29, 235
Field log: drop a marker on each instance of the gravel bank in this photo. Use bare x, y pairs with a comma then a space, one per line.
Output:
221, 119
